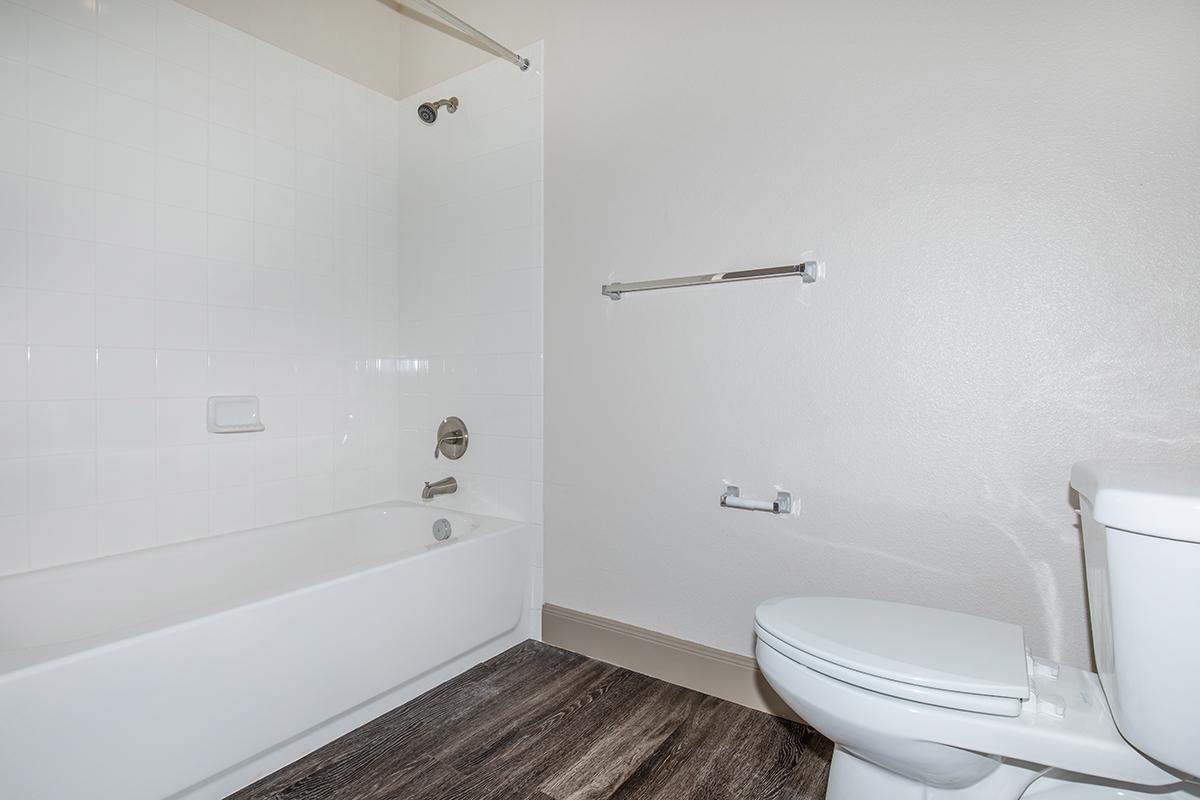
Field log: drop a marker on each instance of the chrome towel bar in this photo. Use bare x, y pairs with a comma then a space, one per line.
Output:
807, 271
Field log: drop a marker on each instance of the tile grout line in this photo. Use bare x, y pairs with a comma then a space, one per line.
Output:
28, 348
95, 321
157, 537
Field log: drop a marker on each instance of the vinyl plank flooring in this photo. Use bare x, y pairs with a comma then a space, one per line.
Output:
416, 728
633, 737
765, 761
540, 723
510, 726
560, 733
681, 766
567, 738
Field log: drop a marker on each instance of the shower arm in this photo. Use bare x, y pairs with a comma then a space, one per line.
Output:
481, 38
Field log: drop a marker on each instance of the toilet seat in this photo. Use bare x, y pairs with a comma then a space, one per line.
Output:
925, 655
960, 701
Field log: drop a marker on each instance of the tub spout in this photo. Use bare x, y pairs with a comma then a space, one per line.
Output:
444, 486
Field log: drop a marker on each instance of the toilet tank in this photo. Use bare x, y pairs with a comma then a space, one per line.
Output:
1141, 540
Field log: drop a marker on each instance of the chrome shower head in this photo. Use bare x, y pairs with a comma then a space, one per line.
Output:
428, 111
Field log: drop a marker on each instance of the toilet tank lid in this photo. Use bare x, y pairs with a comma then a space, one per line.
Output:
1154, 499
909, 644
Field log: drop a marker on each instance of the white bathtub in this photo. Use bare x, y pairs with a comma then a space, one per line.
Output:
190, 670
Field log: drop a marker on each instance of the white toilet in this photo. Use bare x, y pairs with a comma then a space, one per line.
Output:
925, 704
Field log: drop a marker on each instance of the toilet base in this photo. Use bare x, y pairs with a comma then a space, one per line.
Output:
855, 778
852, 778
1081, 787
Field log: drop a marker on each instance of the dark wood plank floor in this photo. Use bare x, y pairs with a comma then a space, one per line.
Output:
539, 723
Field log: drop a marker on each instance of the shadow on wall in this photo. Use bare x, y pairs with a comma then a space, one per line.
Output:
977, 558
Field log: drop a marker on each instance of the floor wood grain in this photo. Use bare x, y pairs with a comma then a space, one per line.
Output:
539, 723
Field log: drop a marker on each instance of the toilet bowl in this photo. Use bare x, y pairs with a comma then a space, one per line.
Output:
905, 732
927, 704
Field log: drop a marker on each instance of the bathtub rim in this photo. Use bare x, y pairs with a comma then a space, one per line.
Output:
179, 622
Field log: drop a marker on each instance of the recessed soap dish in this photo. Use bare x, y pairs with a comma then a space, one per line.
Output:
234, 415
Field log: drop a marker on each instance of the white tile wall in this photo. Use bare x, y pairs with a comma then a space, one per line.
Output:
471, 289
187, 211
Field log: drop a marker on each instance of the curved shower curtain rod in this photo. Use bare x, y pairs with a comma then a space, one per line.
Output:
481, 38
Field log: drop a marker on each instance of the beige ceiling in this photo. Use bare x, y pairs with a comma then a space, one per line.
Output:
384, 44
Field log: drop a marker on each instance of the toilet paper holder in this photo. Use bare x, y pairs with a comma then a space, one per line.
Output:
732, 498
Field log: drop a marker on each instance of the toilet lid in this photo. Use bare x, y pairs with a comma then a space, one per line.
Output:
908, 644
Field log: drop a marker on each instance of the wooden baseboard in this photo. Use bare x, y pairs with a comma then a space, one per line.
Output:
706, 669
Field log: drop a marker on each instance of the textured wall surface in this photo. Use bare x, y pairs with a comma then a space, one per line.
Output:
184, 212
1005, 196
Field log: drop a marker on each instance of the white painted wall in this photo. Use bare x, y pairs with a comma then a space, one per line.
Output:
1005, 195
471, 291
186, 211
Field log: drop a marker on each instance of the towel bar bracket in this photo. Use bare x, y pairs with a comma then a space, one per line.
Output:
732, 498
